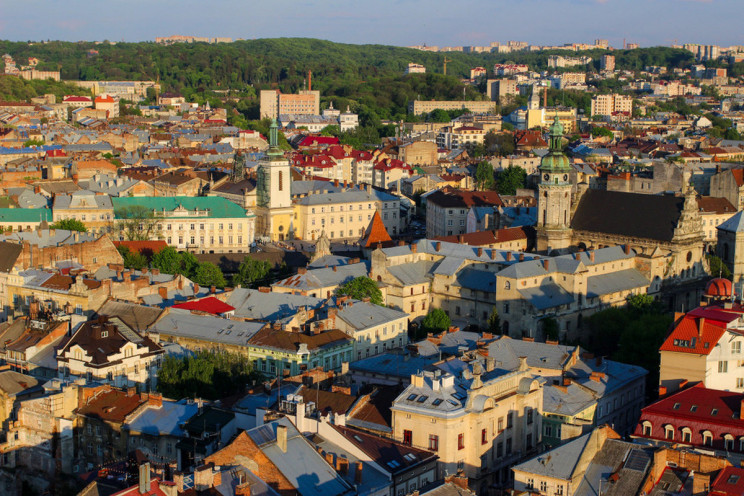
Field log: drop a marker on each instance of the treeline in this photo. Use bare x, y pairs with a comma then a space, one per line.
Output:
368, 78
13, 89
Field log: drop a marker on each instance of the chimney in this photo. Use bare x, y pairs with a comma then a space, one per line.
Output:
437, 246
155, 399
127, 276
358, 473
493, 254
212, 289
335, 268
144, 478
196, 288
460, 238
701, 325
626, 249
521, 257
414, 248
335, 183
37, 189
591, 255
546, 264
281, 437
155, 272
243, 489
163, 292
508, 255
264, 289
302, 270
480, 251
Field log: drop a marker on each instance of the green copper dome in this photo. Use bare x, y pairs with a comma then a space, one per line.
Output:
555, 160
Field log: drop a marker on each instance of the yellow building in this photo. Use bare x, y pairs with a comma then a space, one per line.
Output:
95, 210
274, 210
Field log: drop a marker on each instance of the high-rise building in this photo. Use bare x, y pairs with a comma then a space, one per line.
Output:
607, 63
610, 104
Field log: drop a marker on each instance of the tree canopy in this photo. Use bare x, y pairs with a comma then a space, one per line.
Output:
436, 321
209, 375
359, 288
510, 179
251, 272
484, 175
69, 225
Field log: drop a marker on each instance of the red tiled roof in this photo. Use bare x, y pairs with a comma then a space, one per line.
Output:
457, 198
76, 99
376, 232
318, 140
715, 204
112, 405
730, 482
210, 305
738, 176
481, 238
106, 99
700, 409
719, 288
699, 330
150, 247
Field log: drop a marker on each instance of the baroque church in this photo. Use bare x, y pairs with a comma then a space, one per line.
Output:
274, 210
665, 231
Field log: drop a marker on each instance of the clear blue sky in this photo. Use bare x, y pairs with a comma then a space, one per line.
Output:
394, 22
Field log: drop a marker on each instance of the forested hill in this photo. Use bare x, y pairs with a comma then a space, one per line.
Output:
281, 60
369, 78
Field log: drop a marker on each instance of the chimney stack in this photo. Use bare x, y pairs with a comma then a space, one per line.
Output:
521, 257
358, 473
281, 437
546, 264
144, 478
591, 255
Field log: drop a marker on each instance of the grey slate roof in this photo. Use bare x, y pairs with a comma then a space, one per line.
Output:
321, 278
393, 365
476, 279
413, 273
44, 238
607, 461
570, 402
86, 199
165, 420
138, 317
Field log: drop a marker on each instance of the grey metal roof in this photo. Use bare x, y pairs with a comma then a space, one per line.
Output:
301, 464
558, 463
475, 279
347, 196
182, 323
413, 273
44, 238
734, 223
606, 462
325, 277
392, 364
253, 304
614, 282
570, 402
449, 266
362, 315
83, 199
165, 420
546, 295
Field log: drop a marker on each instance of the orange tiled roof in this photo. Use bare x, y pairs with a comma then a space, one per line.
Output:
376, 232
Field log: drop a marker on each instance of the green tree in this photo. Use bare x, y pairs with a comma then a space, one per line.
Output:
210, 375
135, 223
189, 264
484, 175
168, 261
436, 321
208, 274
550, 328
33, 142
250, 272
602, 131
132, 260
504, 143
494, 322
330, 131
510, 179
718, 268
361, 287
69, 225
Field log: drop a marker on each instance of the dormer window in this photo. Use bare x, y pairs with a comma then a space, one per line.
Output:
104, 334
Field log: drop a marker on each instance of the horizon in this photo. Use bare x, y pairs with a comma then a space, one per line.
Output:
386, 22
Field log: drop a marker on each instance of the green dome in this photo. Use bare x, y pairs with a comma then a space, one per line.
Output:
554, 162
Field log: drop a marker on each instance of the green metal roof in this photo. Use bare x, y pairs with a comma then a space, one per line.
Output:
218, 207
25, 215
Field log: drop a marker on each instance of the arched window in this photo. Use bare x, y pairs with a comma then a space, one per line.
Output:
669, 432
507, 285
728, 442
707, 438
647, 428
686, 435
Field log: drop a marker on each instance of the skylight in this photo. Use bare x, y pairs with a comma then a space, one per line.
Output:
437, 402
714, 412
693, 408
422, 399
412, 397
676, 406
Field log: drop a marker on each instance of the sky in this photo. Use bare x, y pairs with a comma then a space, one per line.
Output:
389, 22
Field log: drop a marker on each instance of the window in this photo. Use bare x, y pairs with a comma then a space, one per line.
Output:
529, 416
707, 438
736, 347
501, 424
433, 442
407, 437
728, 442
484, 436
669, 432
530, 484
686, 435
739, 382
499, 449
460, 441
722, 367
509, 420
647, 428
543, 486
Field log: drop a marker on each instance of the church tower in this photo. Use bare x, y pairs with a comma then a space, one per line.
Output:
554, 196
273, 192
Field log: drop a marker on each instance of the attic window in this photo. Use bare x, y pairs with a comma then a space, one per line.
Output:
412, 397
437, 402
714, 412
676, 406
733, 479
104, 334
422, 399
693, 408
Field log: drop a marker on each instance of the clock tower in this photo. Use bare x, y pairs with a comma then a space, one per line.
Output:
273, 195
554, 196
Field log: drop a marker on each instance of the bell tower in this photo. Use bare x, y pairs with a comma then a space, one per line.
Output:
554, 196
273, 191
